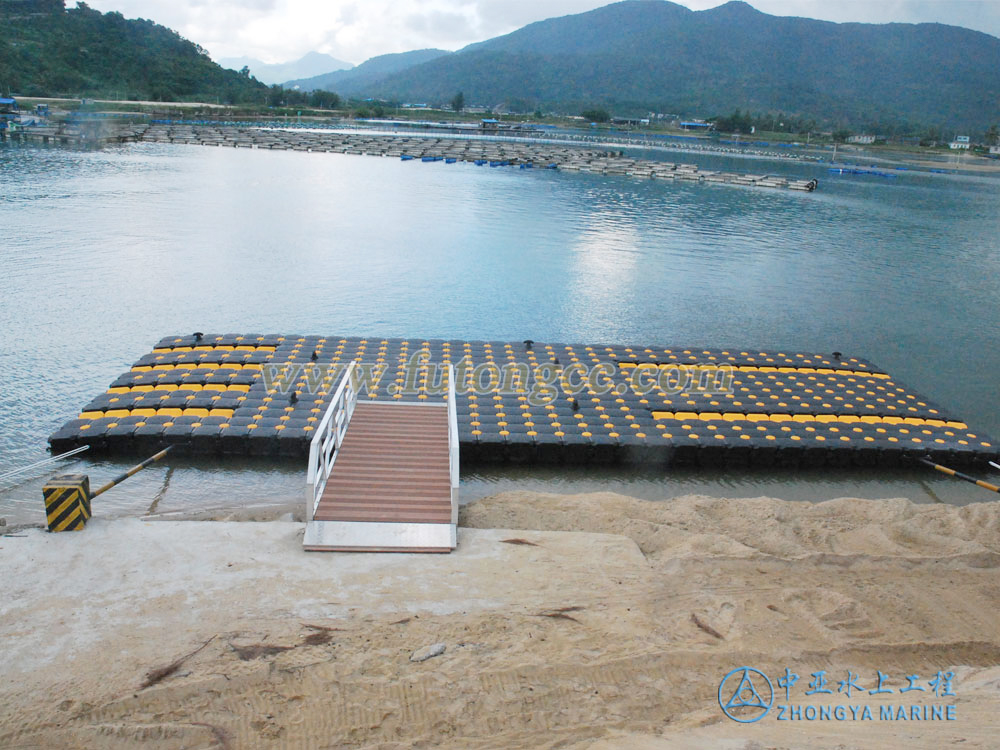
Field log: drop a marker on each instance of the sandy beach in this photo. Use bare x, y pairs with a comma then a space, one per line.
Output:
963, 163
586, 622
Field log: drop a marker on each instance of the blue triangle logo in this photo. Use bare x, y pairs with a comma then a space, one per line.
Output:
746, 695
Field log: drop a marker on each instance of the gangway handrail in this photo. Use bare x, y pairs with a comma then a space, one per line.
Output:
453, 446
325, 445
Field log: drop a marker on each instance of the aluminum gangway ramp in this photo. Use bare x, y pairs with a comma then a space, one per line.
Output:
383, 475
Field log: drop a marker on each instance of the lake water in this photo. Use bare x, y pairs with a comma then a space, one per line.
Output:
104, 252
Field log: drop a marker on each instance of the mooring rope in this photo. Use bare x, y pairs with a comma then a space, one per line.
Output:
44, 462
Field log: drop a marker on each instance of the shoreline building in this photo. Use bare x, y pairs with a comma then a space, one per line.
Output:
9, 113
696, 125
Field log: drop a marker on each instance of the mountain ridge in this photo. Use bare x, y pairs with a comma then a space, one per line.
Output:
310, 64
355, 79
653, 55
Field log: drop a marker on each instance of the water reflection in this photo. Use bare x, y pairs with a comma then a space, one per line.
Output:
604, 258
107, 251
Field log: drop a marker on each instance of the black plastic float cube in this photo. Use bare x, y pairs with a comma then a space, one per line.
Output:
294, 441
492, 447
764, 456
120, 438
205, 439
548, 448
178, 435
235, 439
67, 437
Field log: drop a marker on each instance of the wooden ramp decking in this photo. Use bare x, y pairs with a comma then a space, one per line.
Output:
390, 486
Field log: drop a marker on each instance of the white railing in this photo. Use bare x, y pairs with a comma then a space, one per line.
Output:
329, 437
453, 442
332, 429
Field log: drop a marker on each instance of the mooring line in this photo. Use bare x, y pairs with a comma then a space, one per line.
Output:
44, 462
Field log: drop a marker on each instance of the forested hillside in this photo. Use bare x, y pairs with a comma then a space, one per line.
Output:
47, 50
651, 55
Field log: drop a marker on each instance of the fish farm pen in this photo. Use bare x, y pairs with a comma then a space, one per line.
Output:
479, 151
528, 402
77, 134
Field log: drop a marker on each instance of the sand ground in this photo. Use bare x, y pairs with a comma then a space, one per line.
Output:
962, 164
586, 622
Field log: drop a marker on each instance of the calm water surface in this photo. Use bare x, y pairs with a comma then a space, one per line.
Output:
105, 252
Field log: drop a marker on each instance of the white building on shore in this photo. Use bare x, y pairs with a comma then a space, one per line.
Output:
961, 141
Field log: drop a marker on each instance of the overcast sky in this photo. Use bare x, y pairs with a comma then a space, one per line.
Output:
354, 30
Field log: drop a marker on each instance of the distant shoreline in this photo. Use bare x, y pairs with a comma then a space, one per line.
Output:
306, 118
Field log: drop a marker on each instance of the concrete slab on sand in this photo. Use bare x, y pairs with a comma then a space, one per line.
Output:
176, 635
145, 588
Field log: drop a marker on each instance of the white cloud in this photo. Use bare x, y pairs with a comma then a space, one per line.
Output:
354, 30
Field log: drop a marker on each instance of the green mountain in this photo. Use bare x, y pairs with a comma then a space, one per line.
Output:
356, 80
46, 50
652, 55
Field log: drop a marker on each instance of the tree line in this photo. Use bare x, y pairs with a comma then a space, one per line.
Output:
81, 52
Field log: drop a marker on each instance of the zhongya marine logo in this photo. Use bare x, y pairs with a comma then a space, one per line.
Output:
746, 695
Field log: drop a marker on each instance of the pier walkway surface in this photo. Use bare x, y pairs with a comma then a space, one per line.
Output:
383, 476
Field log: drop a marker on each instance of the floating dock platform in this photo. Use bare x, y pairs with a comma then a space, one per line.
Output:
529, 402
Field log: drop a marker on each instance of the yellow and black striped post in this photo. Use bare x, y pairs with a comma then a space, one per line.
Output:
134, 470
67, 497
67, 502
960, 475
